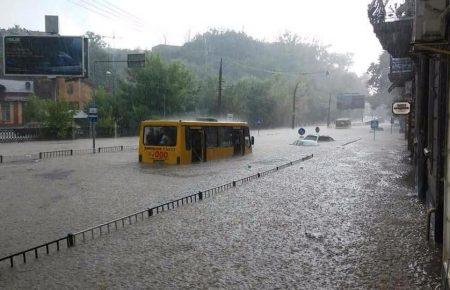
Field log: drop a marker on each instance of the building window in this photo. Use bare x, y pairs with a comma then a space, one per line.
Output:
6, 112
70, 89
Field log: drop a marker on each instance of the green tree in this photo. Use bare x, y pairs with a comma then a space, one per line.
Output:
379, 83
156, 90
58, 118
34, 110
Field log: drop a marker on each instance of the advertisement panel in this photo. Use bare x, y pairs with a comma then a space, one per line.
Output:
350, 102
44, 56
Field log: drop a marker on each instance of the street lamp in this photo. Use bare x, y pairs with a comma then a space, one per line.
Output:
327, 73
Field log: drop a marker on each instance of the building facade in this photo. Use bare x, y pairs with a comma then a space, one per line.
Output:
422, 35
13, 95
77, 92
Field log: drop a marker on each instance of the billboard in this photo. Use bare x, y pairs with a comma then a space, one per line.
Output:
349, 102
44, 56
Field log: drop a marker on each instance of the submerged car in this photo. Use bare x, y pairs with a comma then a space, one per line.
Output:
309, 140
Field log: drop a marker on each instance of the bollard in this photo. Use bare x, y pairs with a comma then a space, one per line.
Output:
121, 148
1, 158
200, 195
99, 149
234, 183
70, 240
71, 152
259, 175
40, 155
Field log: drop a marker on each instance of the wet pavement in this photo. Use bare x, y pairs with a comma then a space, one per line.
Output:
348, 218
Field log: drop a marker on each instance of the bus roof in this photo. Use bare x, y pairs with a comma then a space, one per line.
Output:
193, 123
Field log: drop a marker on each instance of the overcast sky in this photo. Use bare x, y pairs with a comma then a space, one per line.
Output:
145, 23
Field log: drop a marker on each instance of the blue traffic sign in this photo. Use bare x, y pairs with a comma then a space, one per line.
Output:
374, 124
301, 131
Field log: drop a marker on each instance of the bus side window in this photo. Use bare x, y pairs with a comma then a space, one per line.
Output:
211, 137
225, 137
247, 137
188, 137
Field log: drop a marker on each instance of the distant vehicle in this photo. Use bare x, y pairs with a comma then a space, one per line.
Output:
309, 140
185, 142
343, 123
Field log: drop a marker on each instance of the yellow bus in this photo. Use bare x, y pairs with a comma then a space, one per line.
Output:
185, 142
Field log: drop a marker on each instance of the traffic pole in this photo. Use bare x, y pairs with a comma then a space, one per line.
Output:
93, 137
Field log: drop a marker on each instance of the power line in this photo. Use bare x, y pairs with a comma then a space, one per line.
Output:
116, 16
124, 12
94, 9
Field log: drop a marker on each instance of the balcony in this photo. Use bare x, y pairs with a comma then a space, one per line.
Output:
395, 36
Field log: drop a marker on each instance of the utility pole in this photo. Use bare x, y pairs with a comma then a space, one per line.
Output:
327, 73
329, 111
293, 104
219, 96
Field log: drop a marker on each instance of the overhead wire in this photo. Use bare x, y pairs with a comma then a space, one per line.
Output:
117, 13
102, 12
94, 5
122, 11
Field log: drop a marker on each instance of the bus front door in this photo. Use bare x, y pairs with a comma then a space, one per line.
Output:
198, 145
238, 141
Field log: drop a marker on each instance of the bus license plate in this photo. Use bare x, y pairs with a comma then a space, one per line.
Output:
159, 155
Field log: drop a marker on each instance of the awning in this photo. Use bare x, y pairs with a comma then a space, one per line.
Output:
80, 115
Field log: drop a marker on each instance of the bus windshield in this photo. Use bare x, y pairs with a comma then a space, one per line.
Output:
160, 135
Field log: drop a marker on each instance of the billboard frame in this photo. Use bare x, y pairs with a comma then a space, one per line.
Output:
83, 57
352, 96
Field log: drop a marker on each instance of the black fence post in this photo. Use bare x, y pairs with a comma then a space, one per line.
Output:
200, 195
121, 148
70, 240
234, 183
40, 155
71, 152
150, 212
1, 158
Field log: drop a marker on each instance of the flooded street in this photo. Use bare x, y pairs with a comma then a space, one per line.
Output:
348, 218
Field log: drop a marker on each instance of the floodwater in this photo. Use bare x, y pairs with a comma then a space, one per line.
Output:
348, 218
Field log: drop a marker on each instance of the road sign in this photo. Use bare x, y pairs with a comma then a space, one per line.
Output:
93, 114
301, 131
317, 129
44, 56
401, 108
374, 124
136, 60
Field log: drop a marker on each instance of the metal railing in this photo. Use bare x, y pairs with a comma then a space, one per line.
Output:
82, 236
19, 134
63, 153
